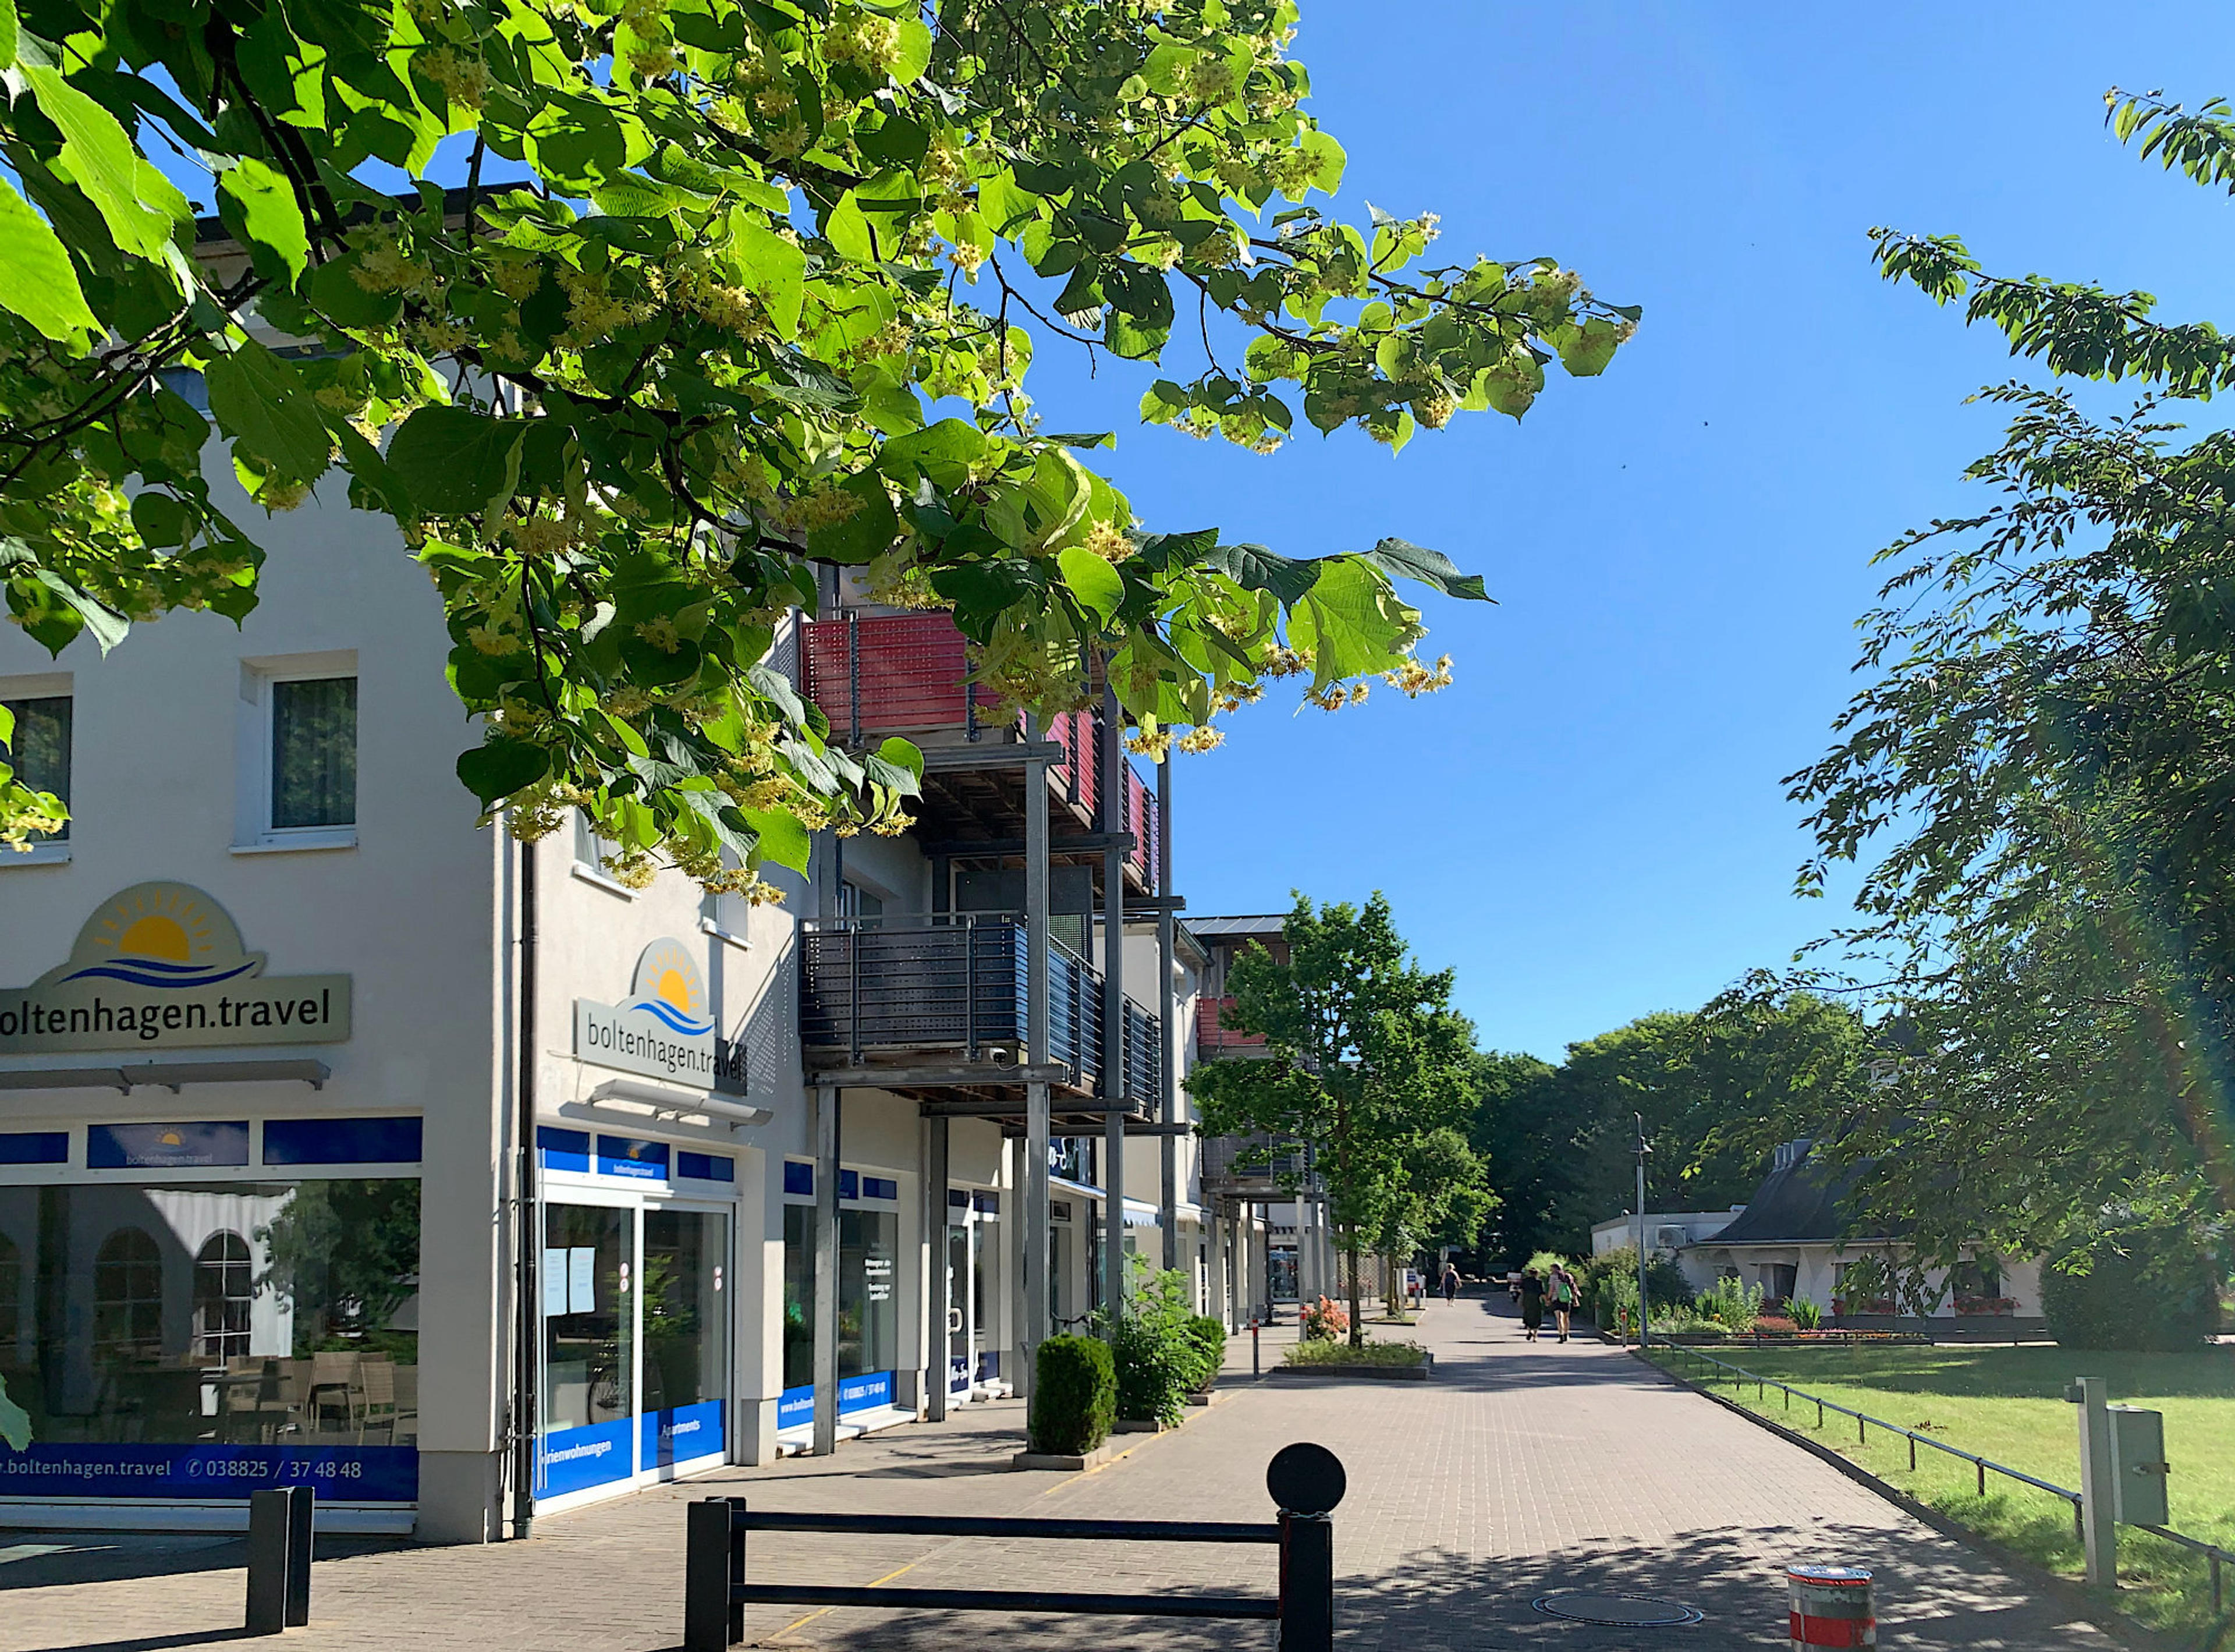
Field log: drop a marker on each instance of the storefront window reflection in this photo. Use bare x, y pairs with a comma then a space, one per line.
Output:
798, 1295
588, 1317
239, 1314
869, 1312
686, 1362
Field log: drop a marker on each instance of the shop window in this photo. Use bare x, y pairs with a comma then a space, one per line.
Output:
224, 1293
589, 1316
273, 1317
314, 753
869, 1306
39, 751
798, 1293
127, 1297
592, 854
11, 1299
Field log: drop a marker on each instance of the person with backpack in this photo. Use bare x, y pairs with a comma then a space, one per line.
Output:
1532, 1304
1561, 1287
1451, 1282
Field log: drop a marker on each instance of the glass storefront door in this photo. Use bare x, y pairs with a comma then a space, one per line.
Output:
687, 1344
589, 1348
636, 1343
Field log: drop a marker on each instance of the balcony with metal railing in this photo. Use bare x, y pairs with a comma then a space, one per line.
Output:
956, 989
875, 676
1256, 1166
1214, 1036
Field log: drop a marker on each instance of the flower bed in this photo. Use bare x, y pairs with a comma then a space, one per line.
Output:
1341, 1355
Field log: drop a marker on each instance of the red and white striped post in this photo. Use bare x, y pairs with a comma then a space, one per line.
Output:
1830, 1606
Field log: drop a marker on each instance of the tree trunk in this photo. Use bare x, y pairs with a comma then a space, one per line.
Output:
1357, 1322
1392, 1288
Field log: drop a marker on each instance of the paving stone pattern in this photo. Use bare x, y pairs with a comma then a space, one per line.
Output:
1522, 1470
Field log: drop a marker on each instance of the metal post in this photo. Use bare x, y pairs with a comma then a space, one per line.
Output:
302, 1506
2099, 1520
1113, 1087
942, 1295
1033, 1228
1643, 1320
1167, 1059
527, 1323
827, 1104
711, 1622
1257, 1365
1307, 1583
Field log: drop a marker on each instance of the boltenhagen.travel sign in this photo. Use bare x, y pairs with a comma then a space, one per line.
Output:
160, 966
664, 1029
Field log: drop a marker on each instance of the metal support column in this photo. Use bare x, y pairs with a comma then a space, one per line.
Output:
827, 1104
936, 1373
1033, 1236
1114, 1064
1166, 1059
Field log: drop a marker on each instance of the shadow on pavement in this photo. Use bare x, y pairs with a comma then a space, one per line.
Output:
1441, 1599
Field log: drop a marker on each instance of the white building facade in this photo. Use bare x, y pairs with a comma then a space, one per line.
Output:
344, 1142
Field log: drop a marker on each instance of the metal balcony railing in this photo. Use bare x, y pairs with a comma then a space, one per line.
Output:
871, 987
1254, 1161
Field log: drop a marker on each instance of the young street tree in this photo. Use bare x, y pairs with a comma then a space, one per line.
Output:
1365, 1061
2050, 742
719, 293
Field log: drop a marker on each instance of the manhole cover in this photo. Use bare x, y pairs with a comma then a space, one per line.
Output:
1615, 1608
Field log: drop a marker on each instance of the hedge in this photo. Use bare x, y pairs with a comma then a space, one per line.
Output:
1074, 1395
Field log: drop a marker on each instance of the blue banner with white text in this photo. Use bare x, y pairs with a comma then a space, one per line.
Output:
574, 1460
682, 1434
342, 1473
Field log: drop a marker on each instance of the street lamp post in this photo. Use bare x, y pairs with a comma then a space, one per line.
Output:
1643, 1150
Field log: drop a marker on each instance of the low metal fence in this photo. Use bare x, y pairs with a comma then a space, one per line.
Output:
1307, 1482
2214, 1556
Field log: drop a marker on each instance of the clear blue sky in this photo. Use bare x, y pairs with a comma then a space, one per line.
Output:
1589, 825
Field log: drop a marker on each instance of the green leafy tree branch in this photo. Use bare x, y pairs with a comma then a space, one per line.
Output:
689, 333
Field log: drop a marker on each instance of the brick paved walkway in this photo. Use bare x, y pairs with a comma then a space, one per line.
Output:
1522, 1469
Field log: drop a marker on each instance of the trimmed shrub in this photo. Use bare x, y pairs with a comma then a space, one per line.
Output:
2143, 1288
1209, 1336
1074, 1395
1341, 1354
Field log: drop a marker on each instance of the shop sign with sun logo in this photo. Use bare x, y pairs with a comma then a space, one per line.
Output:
160, 965
664, 1028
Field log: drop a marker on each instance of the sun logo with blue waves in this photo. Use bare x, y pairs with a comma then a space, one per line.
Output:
160, 934
670, 989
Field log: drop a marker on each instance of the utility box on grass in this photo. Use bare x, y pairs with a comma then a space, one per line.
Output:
2138, 1465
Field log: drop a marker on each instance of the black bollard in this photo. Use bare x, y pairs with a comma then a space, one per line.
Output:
1307, 1482
280, 1527
713, 1563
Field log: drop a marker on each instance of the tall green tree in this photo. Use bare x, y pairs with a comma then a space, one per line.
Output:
2043, 769
633, 315
1438, 1194
1716, 1087
1364, 1059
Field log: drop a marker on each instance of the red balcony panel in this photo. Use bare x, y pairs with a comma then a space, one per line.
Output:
886, 672
1211, 1033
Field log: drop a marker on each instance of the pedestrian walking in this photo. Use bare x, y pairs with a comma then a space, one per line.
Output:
1532, 1304
1451, 1282
1561, 1287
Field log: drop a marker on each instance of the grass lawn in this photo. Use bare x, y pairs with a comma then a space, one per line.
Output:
2007, 1404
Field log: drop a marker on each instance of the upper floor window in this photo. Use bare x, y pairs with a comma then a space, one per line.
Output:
865, 907
313, 752
39, 751
298, 753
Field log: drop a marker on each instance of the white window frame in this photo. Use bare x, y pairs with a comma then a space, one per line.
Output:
253, 832
49, 685
594, 871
